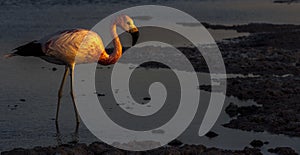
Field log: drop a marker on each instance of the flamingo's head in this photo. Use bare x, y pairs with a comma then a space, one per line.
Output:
127, 24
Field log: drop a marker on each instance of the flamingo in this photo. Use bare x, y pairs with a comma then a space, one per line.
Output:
62, 47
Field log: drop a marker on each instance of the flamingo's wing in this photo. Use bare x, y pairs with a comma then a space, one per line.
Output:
74, 46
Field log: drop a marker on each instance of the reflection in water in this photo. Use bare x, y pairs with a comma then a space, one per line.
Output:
74, 135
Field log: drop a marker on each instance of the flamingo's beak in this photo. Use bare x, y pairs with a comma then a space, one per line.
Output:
135, 35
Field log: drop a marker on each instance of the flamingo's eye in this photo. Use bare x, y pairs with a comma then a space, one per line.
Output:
128, 23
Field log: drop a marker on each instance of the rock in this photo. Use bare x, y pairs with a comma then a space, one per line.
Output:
98, 147
22, 100
146, 98
257, 143
192, 149
215, 151
248, 110
175, 142
266, 142
166, 151
101, 148
99, 94
283, 151
277, 114
252, 151
232, 109
16, 151
211, 134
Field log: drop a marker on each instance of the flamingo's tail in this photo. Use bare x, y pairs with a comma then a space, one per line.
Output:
9, 55
30, 49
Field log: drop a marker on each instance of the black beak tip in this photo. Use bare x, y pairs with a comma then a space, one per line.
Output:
135, 36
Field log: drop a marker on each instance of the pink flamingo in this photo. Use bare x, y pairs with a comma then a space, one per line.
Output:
62, 47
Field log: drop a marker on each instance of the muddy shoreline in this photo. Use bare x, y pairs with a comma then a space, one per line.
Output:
270, 51
102, 148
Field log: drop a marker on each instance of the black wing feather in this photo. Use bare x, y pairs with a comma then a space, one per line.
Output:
31, 49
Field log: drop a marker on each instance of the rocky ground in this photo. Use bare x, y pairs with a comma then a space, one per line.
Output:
273, 53
268, 50
279, 97
98, 148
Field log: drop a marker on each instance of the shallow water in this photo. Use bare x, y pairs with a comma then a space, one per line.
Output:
31, 122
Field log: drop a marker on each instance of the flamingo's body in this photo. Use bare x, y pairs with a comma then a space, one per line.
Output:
67, 45
77, 46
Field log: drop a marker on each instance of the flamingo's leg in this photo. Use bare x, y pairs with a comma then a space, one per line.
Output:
61, 91
72, 92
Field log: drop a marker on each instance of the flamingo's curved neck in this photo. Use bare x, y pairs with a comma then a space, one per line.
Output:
106, 59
